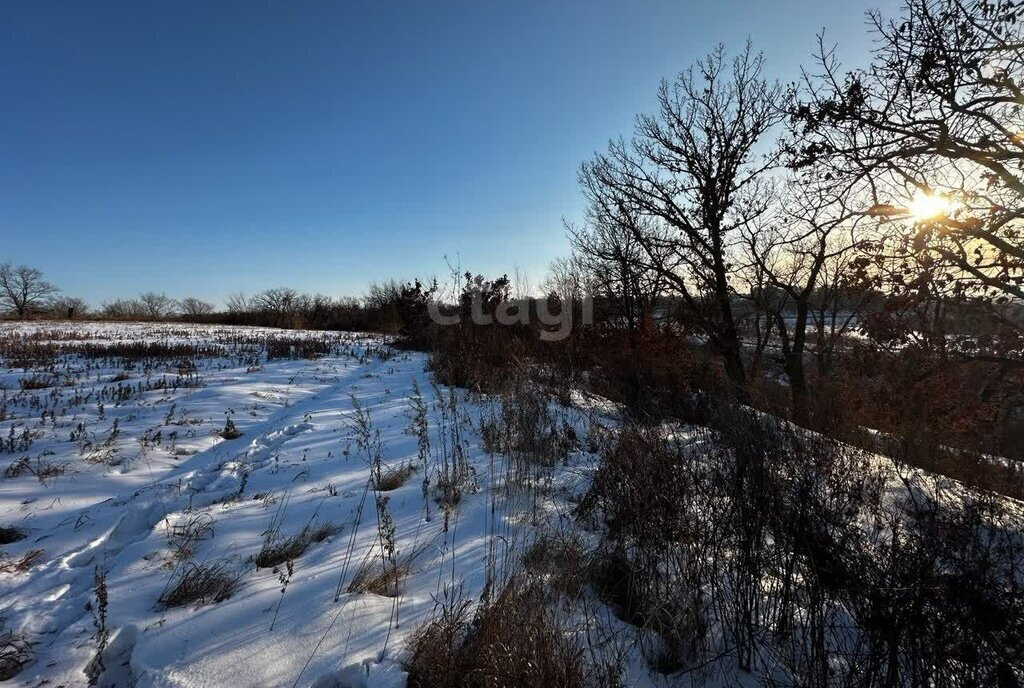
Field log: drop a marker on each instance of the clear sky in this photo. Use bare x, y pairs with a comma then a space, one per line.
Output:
201, 148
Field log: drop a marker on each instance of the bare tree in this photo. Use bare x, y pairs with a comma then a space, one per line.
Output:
23, 289
619, 268
194, 307
694, 169
567, 278
284, 305
800, 271
381, 295
385, 300
238, 303
156, 306
69, 307
934, 127
280, 300
122, 309
620, 275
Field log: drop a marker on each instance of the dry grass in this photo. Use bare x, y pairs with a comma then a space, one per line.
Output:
373, 577
201, 584
394, 478
513, 641
37, 382
185, 537
276, 550
9, 534
42, 469
562, 560
15, 654
27, 561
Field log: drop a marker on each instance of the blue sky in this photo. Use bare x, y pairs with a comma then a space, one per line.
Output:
201, 148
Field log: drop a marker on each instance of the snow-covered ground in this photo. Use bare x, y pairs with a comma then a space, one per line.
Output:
121, 477
121, 469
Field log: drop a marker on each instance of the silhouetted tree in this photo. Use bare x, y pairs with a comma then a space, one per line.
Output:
193, 307
693, 168
69, 307
23, 289
156, 306
933, 126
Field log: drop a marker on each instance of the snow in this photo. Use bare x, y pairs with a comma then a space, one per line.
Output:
296, 457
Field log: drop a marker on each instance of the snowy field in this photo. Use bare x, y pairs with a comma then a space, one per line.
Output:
201, 506
124, 483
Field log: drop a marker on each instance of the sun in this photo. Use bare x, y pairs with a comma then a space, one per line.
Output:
927, 206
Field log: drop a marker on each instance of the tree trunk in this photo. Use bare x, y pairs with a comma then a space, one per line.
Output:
793, 363
734, 371
799, 395
731, 346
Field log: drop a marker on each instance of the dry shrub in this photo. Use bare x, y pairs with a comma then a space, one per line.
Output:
200, 584
474, 357
298, 347
513, 641
652, 371
18, 468
48, 470
526, 430
784, 540
927, 411
640, 487
635, 586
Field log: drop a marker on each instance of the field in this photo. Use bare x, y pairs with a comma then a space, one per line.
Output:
182, 553
187, 506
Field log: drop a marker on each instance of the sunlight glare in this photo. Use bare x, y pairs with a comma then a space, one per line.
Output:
926, 206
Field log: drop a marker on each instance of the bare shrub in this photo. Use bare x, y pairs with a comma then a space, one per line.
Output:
293, 348
805, 551
526, 429
37, 382
48, 470
17, 468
